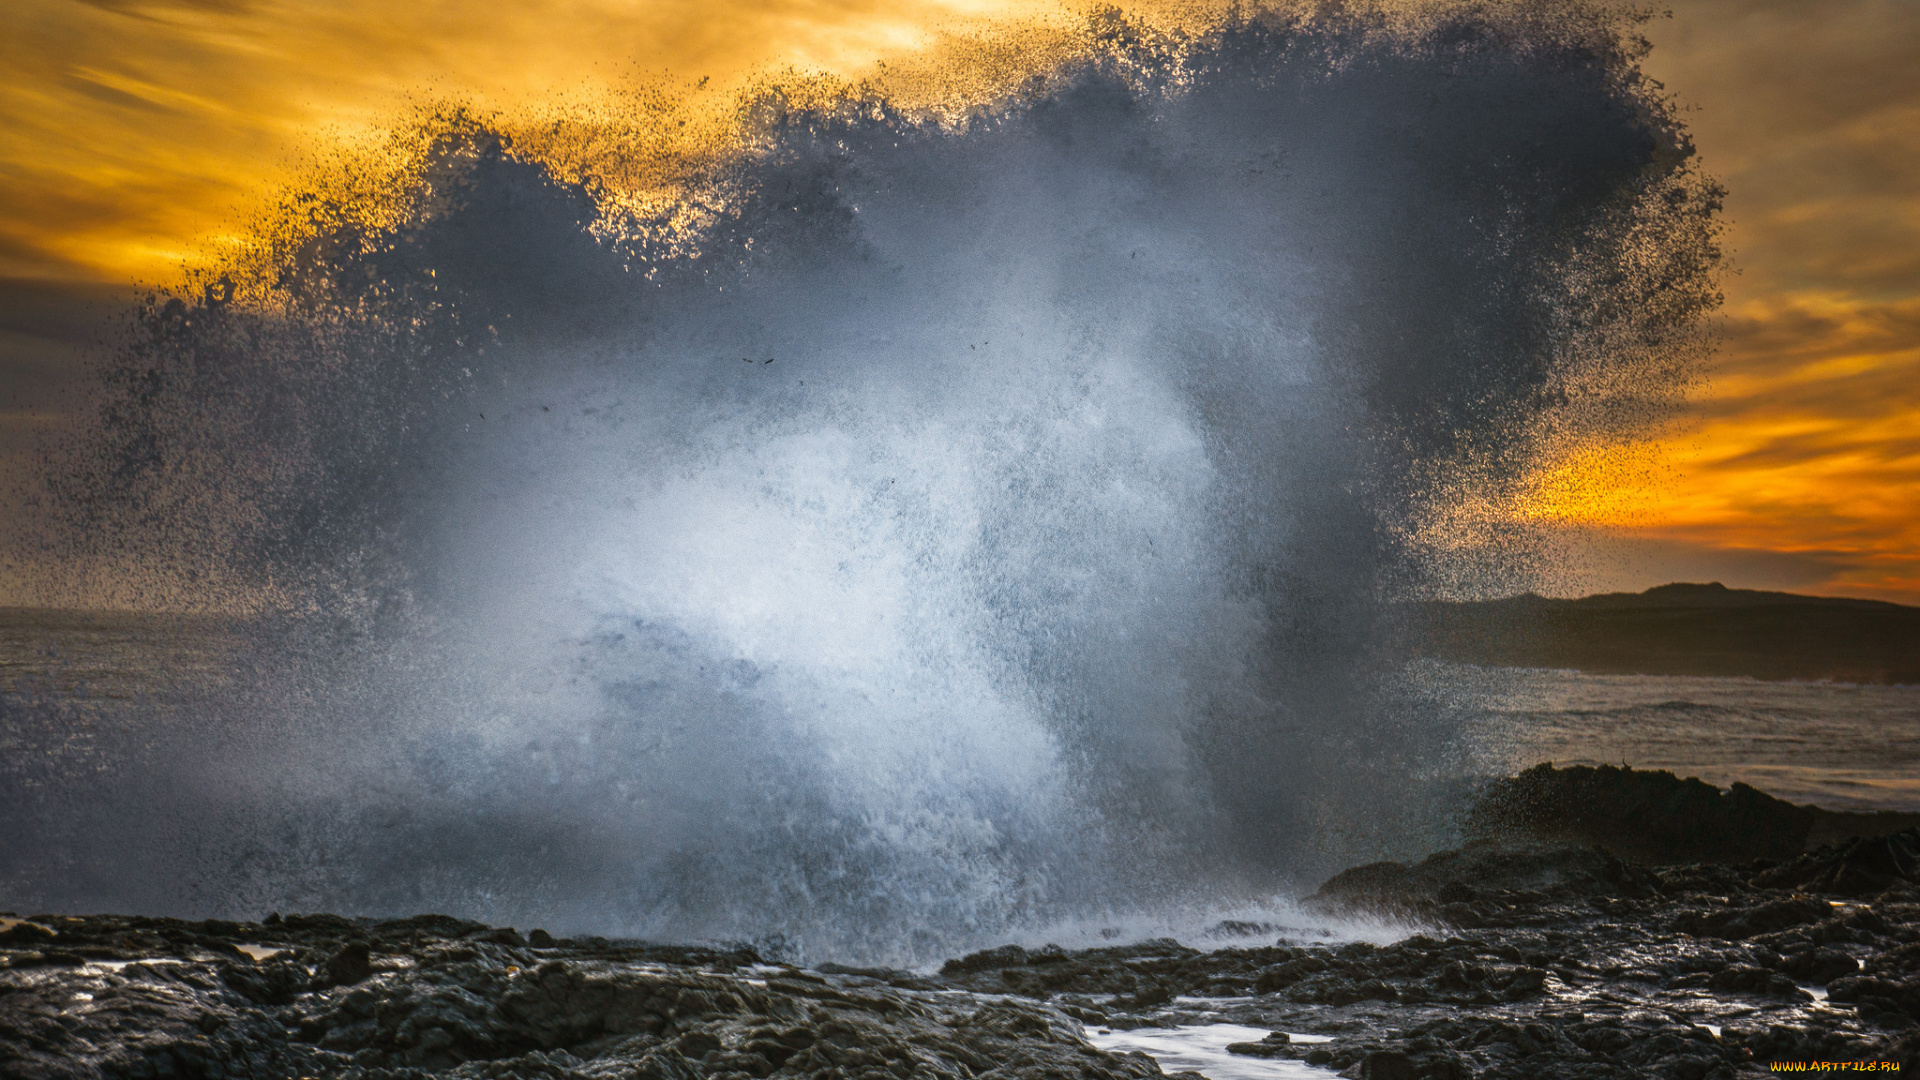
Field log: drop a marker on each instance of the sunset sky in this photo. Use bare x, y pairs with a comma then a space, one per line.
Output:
137, 136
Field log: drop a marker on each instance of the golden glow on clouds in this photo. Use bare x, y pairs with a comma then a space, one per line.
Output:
136, 135
133, 131
1806, 442
1812, 445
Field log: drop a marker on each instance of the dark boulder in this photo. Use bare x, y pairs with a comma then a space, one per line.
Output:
1276, 1044
1859, 867
1645, 816
352, 964
986, 959
1432, 887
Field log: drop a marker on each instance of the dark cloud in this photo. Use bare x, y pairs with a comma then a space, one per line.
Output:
1785, 335
157, 9
50, 334
1789, 450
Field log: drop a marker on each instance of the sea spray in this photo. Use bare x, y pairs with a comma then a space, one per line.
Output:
927, 529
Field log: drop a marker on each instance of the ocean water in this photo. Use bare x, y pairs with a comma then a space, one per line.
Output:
91, 704
1834, 745
111, 659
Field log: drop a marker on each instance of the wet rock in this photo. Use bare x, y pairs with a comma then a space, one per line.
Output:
1902, 960
1280, 976
26, 935
1735, 923
1747, 979
1506, 885
1819, 966
1276, 1044
1648, 816
1579, 965
1242, 928
352, 964
1860, 867
474, 1005
1002, 957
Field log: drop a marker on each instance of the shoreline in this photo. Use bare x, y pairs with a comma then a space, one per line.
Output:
1530, 959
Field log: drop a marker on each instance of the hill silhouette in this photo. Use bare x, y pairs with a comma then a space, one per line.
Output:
1682, 629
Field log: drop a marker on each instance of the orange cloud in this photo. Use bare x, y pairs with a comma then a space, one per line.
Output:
133, 131
136, 133
1807, 439
1808, 442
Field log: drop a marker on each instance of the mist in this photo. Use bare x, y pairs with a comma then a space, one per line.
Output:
959, 529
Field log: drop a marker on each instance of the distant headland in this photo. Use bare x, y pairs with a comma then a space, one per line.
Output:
1682, 629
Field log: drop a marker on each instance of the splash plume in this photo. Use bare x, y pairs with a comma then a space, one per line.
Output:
884, 527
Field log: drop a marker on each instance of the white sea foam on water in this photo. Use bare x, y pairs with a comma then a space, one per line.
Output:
1202, 1048
1246, 926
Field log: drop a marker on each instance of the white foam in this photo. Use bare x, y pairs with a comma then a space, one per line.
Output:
1203, 1048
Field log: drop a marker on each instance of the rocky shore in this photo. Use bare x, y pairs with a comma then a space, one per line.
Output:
1531, 961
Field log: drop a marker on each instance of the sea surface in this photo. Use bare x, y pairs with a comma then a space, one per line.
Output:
1834, 745
100, 658
1839, 746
